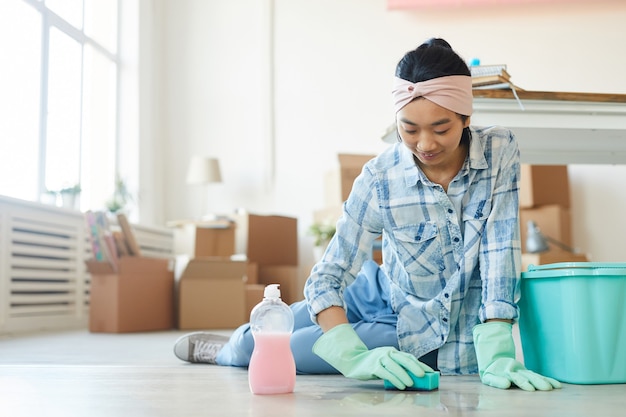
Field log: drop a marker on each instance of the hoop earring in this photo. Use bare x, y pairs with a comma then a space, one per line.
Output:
398, 136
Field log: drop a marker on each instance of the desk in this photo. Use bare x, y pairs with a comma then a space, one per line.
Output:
558, 127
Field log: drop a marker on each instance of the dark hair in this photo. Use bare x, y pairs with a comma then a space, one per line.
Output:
433, 59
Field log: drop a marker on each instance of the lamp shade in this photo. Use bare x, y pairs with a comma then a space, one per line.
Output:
203, 170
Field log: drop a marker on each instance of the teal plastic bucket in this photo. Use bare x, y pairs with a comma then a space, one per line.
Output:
573, 321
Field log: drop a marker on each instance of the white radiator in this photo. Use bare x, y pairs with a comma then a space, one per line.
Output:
154, 242
43, 280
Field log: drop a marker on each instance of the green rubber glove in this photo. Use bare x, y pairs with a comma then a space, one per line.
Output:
342, 348
497, 366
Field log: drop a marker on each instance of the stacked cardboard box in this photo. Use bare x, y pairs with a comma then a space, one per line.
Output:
212, 294
232, 265
128, 292
197, 238
337, 187
545, 200
137, 296
338, 183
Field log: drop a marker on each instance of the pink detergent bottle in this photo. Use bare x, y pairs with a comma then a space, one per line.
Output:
272, 369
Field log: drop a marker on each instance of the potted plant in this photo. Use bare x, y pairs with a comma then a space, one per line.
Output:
70, 196
120, 198
49, 197
322, 232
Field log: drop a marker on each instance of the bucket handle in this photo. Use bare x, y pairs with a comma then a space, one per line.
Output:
583, 265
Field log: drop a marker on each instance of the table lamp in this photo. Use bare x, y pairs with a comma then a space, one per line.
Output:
204, 170
537, 242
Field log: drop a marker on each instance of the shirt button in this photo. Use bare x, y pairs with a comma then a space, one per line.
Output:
445, 320
450, 211
456, 239
446, 295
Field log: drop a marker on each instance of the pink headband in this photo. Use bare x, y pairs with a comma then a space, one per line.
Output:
453, 92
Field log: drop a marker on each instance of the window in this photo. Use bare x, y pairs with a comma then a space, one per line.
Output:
58, 98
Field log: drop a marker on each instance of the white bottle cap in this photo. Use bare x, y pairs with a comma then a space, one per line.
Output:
272, 291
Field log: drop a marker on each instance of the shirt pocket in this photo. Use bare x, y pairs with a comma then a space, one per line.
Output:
475, 217
477, 210
419, 248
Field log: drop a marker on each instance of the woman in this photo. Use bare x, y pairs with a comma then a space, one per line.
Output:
445, 200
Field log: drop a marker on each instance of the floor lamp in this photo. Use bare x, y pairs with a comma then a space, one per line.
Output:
204, 170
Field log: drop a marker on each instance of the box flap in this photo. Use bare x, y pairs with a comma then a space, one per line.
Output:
214, 268
99, 268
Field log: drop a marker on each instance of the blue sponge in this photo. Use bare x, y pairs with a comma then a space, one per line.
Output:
429, 382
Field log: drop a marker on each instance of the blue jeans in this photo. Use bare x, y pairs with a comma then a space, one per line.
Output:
369, 312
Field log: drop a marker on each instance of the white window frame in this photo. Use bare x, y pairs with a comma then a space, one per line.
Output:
50, 19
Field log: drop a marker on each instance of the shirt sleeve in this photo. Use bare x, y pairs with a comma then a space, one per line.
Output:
349, 248
500, 252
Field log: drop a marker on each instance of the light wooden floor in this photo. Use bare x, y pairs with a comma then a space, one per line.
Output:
76, 373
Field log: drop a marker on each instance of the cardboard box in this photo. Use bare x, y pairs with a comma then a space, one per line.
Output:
254, 295
350, 167
264, 239
212, 240
287, 277
252, 273
138, 297
553, 220
377, 251
328, 215
544, 184
204, 238
550, 257
211, 294
267, 239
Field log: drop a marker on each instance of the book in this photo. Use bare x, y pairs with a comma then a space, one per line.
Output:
488, 80
120, 243
129, 235
107, 243
490, 76
102, 245
487, 70
94, 236
497, 85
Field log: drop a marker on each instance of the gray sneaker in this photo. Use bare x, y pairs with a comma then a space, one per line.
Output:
199, 347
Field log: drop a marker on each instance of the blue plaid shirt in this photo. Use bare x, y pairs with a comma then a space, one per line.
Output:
452, 259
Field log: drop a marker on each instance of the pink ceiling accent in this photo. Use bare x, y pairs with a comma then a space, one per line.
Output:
415, 4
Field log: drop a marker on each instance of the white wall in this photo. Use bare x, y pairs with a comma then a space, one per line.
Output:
214, 82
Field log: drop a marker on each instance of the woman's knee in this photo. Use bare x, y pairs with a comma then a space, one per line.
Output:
307, 362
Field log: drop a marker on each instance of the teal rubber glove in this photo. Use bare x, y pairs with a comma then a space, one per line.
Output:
342, 348
497, 366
